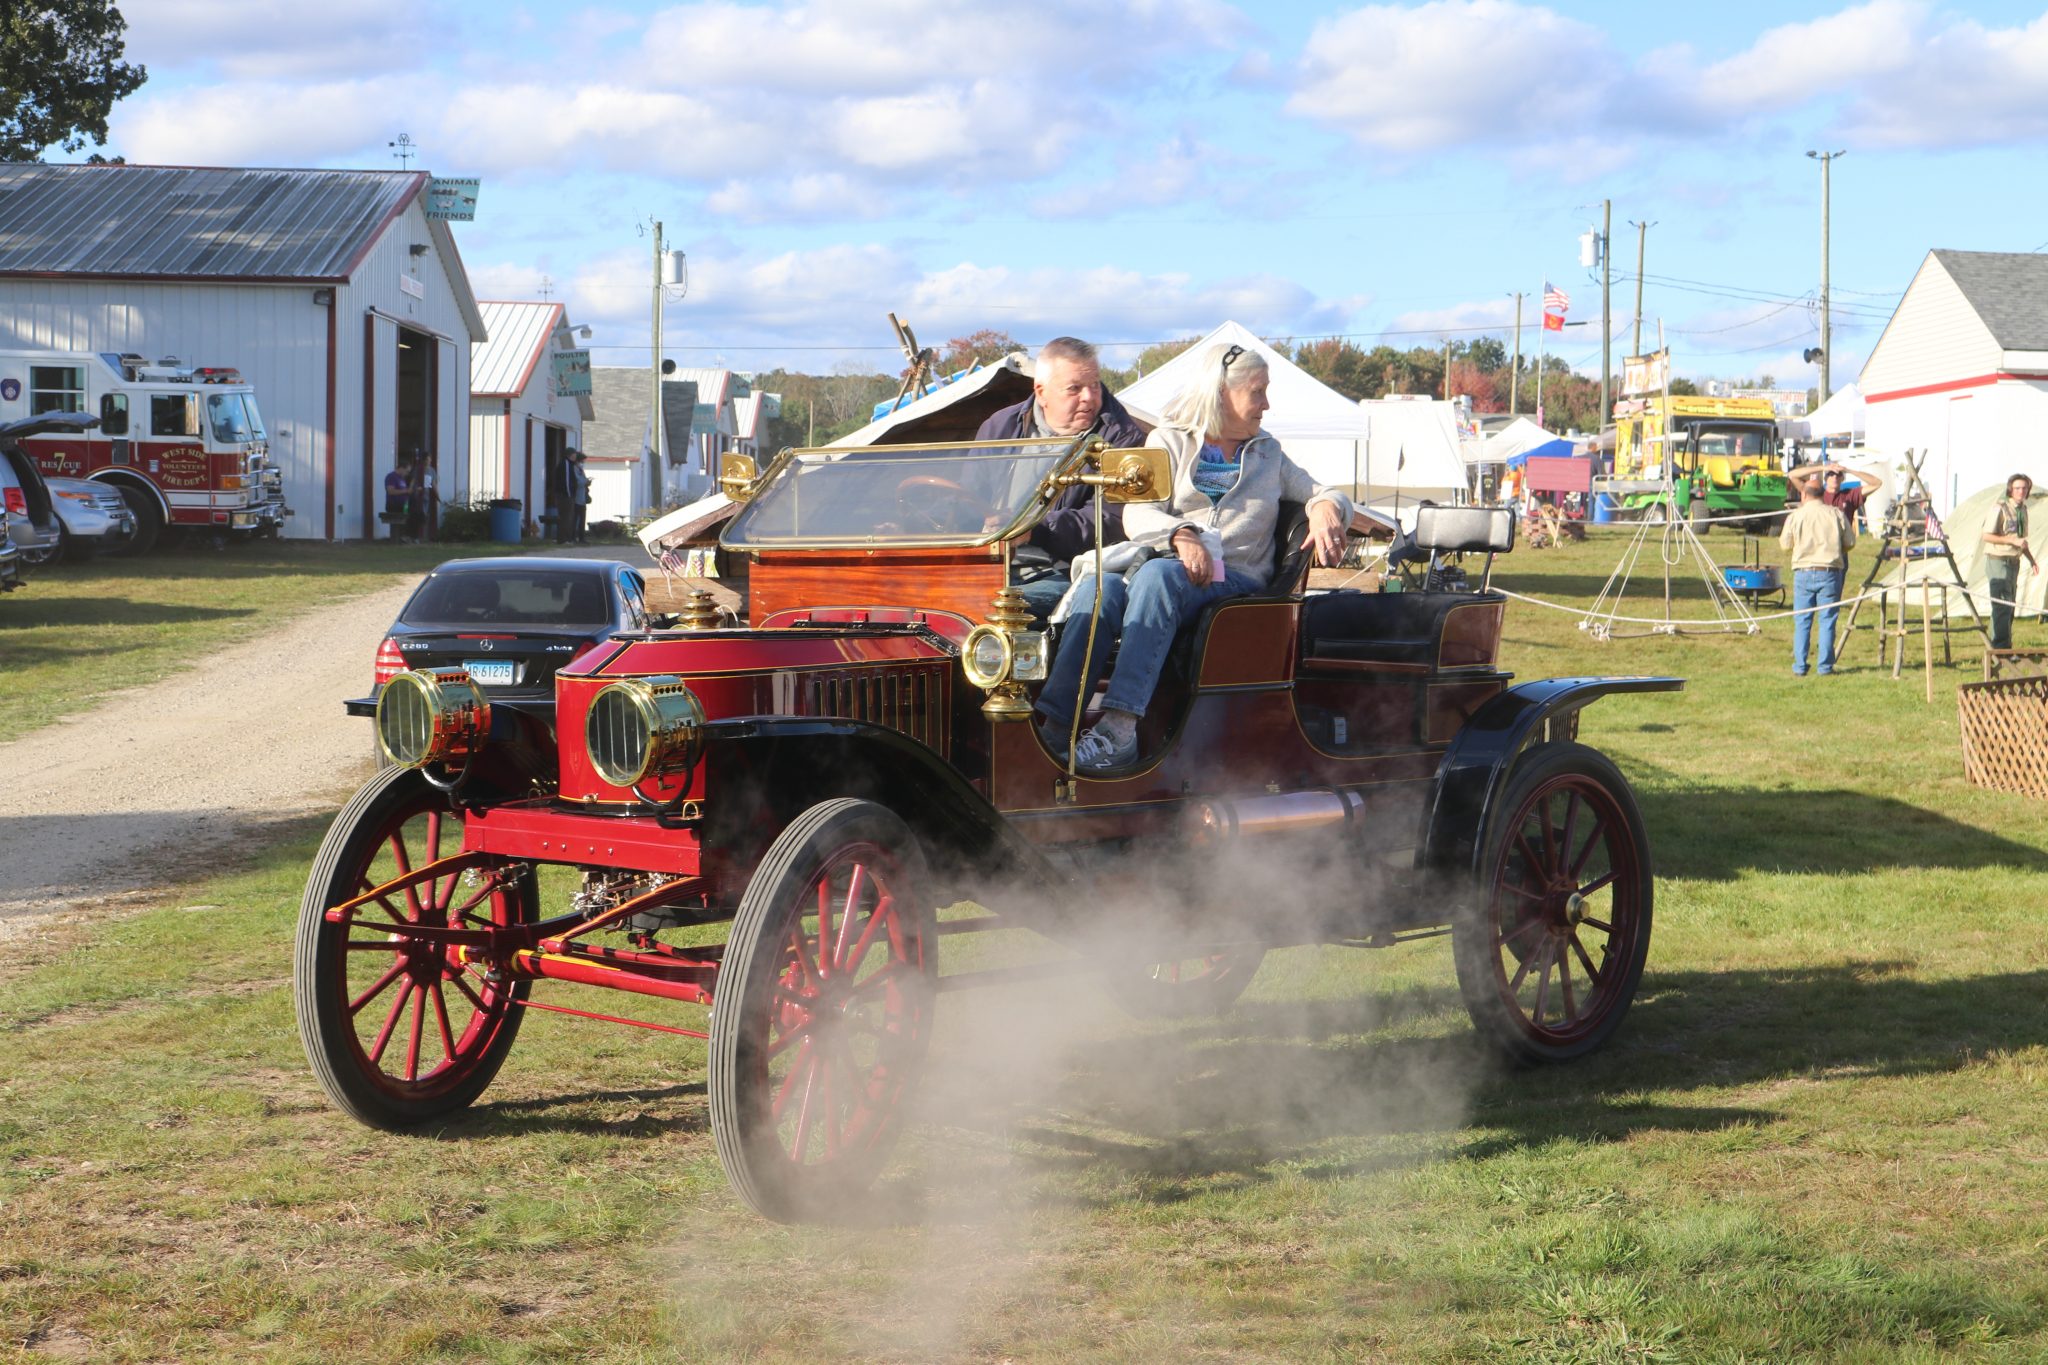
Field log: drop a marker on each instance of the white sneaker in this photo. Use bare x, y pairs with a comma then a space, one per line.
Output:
1097, 752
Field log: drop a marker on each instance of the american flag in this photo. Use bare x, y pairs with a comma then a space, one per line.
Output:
1556, 298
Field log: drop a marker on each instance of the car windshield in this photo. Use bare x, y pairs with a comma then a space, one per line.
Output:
509, 597
956, 493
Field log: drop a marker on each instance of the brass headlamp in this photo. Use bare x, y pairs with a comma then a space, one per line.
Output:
639, 728
431, 715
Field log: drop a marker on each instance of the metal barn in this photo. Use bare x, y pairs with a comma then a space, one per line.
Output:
331, 291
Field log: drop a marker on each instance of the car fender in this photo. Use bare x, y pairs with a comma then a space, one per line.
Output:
764, 771
1475, 769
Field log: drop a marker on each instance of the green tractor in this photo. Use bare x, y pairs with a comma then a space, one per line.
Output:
1721, 467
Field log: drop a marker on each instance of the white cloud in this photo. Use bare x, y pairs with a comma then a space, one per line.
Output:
887, 95
1462, 318
827, 196
256, 124
265, 40
1505, 76
1416, 79
840, 296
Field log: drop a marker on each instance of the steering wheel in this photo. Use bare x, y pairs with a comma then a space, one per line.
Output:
917, 495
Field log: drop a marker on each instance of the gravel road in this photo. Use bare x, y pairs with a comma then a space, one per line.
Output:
156, 783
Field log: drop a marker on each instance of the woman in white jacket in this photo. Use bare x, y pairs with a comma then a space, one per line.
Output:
1214, 537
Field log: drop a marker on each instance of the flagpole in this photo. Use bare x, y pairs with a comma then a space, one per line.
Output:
1400, 463
1541, 334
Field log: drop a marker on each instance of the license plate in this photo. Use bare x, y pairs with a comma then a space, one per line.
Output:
490, 672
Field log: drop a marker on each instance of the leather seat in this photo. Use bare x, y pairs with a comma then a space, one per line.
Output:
1380, 627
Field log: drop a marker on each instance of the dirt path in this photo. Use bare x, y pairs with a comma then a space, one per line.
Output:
155, 784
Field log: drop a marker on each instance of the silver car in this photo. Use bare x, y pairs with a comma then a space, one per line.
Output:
47, 517
91, 517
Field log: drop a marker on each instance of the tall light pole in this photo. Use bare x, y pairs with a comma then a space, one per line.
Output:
1827, 353
1606, 319
1515, 368
1642, 231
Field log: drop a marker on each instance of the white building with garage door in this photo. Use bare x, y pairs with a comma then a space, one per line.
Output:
1960, 374
520, 424
332, 292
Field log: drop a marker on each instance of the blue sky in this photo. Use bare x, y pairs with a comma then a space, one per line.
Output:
1141, 171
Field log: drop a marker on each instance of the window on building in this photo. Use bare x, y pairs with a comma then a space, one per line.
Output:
56, 388
113, 414
173, 414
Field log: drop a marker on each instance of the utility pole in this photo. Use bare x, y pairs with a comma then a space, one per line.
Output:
1642, 231
657, 430
1447, 370
1606, 320
1515, 368
1827, 353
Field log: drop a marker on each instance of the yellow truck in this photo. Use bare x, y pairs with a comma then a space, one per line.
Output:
1704, 457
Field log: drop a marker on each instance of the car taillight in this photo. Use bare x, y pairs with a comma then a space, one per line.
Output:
390, 663
17, 502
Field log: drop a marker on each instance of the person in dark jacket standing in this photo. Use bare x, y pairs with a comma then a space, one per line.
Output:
1067, 399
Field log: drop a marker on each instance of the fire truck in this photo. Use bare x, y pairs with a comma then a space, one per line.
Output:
184, 444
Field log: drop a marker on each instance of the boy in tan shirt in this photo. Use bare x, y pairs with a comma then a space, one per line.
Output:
1820, 539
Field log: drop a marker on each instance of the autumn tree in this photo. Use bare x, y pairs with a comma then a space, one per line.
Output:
60, 74
984, 347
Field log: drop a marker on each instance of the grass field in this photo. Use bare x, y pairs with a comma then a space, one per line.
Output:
1817, 1137
80, 631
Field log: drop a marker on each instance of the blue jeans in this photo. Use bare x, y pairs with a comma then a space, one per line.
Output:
1041, 595
1811, 588
1145, 613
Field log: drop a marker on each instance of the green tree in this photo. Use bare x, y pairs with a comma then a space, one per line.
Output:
60, 74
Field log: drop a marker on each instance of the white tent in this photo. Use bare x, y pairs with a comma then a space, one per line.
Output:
1965, 528
1511, 440
1323, 431
1840, 416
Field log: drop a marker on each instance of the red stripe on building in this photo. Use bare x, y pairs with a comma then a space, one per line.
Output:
1975, 382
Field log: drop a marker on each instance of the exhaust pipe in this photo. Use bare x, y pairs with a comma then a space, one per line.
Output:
1214, 823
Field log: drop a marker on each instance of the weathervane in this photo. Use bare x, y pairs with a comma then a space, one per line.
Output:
403, 147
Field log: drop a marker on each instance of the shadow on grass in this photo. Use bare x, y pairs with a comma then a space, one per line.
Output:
578, 1112
1718, 833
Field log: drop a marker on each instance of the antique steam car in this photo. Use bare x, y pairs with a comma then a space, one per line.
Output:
850, 776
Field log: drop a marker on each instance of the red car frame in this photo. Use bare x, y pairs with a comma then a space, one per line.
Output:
857, 757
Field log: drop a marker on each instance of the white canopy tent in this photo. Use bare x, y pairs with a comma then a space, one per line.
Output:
1511, 440
1323, 431
1840, 416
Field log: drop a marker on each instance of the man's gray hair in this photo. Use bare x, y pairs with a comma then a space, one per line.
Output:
1073, 350
1199, 406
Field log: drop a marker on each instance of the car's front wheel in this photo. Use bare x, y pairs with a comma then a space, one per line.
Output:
401, 1029
822, 1010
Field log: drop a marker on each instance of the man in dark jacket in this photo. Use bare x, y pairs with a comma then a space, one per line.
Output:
1067, 399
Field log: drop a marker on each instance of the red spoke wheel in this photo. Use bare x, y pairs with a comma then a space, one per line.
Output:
399, 1029
1552, 946
823, 1010
1189, 987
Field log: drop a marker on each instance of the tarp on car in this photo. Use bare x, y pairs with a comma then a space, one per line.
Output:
952, 412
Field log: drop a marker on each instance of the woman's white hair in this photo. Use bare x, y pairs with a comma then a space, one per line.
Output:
1199, 406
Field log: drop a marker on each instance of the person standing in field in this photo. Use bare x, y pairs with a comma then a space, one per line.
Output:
1820, 539
2005, 545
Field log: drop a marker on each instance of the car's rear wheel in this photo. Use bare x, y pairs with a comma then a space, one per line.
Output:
1551, 945
823, 1010
400, 1029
